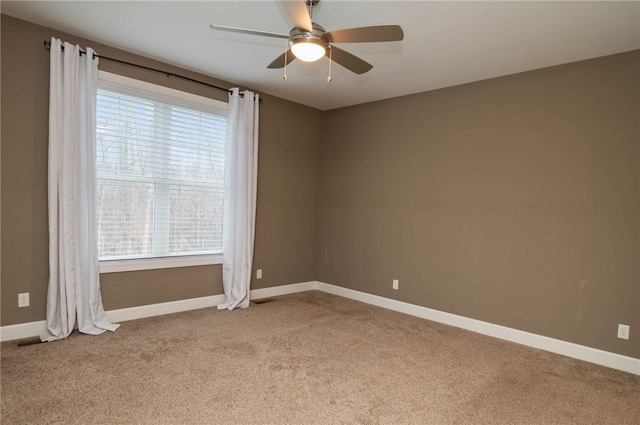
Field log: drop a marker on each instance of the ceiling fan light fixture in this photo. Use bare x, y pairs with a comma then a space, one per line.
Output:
308, 50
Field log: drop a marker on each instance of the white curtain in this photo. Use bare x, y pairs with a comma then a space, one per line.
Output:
74, 283
241, 178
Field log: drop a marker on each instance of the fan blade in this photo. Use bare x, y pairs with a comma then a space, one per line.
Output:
246, 31
366, 34
279, 61
349, 61
298, 13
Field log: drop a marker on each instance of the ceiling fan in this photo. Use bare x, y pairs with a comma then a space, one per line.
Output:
309, 42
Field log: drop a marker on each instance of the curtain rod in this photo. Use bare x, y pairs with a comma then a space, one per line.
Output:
47, 45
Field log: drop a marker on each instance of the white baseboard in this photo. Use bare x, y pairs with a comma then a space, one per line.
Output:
140, 312
581, 352
22, 330
275, 291
150, 310
33, 329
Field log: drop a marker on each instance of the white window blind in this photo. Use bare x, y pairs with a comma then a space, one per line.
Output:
160, 171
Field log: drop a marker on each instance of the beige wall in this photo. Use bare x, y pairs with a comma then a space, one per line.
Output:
514, 201
288, 176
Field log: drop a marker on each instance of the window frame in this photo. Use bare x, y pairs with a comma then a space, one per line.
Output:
159, 262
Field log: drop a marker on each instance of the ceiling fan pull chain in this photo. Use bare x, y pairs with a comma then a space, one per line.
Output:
284, 76
329, 77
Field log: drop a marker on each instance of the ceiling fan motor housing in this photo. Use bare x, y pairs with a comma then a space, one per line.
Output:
316, 36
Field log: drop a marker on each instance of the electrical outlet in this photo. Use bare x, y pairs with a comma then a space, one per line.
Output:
259, 274
623, 331
396, 284
23, 299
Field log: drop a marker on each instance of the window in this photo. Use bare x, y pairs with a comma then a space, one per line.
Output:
160, 156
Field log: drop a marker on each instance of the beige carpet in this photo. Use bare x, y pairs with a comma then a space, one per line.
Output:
309, 358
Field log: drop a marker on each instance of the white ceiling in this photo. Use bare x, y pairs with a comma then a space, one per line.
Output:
446, 43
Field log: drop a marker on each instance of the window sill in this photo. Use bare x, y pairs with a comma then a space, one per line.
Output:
115, 266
